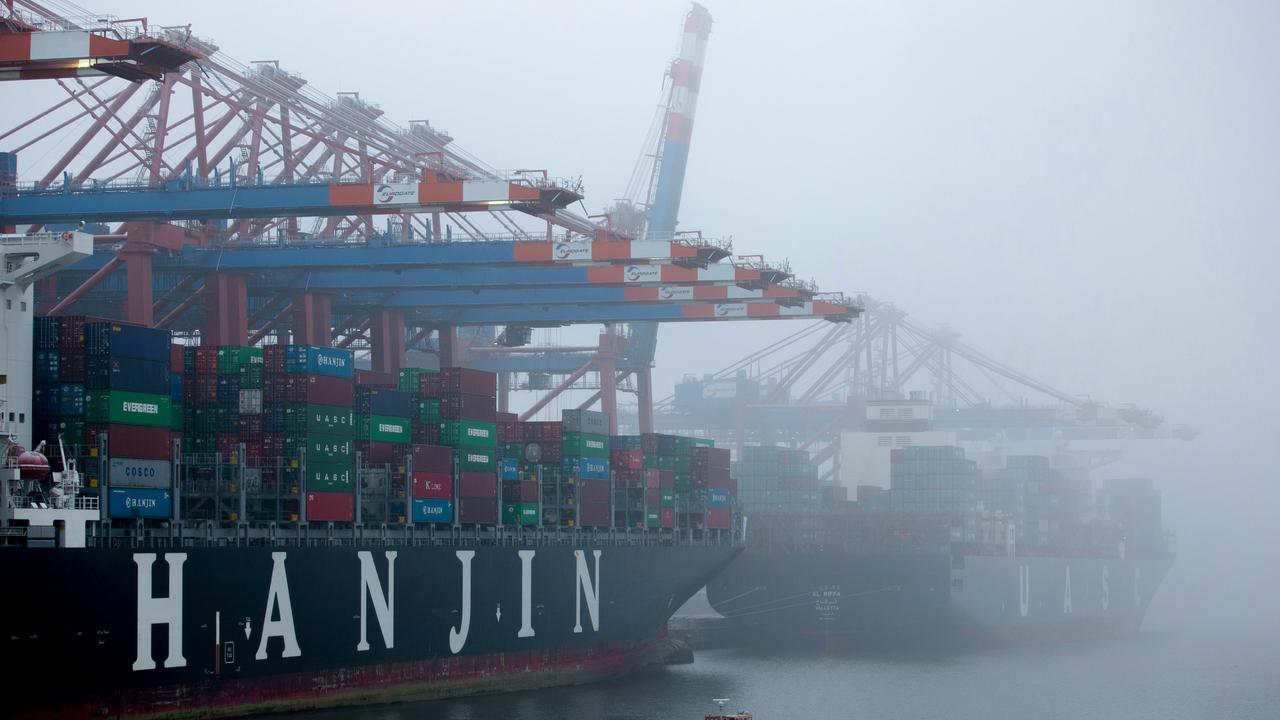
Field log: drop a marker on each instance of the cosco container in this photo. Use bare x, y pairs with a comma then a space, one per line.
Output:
145, 503
429, 510
118, 407
313, 360
382, 428
585, 421
139, 472
330, 507
107, 339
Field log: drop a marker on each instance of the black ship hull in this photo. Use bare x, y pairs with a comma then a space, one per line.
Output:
206, 632
928, 601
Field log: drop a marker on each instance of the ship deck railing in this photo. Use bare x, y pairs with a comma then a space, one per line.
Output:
211, 534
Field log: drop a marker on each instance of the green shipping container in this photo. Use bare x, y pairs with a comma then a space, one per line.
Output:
429, 411
322, 477
476, 459
469, 433
410, 377
231, 358
684, 446
668, 499
519, 513
703, 442
384, 428
653, 518
585, 445
117, 407
305, 419
321, 450
176, 416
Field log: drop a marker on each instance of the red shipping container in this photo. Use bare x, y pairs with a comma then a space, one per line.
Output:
432, 458
319, 389
667, 479
652, 479
529, 491
434, 485
667, 516
653, 498
505, 417
465, 381
371, 378
175, 359
330, 507
128, 441
595, 491
380, 453
273, 360
627, 459
478, 485
711, 457
719, 518
468, 407
478, 511
593, 514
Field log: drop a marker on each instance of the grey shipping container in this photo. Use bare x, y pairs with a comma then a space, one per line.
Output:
585, 421
132, 472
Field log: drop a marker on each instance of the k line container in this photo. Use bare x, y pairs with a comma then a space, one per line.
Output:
432, 485
140, 473
146, 503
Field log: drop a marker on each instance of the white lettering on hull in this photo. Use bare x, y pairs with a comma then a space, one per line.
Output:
159, 611
384, 604
1024, 589
278, 599
458, 635
526, 593
585, 588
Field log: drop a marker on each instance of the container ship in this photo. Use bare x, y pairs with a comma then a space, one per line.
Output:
217, 531
941, 545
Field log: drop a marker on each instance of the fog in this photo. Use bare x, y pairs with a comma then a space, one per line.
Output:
1086, 190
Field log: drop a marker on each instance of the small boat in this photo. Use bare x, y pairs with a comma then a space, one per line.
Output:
720, 714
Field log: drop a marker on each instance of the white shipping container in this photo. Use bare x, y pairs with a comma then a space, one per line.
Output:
250, 402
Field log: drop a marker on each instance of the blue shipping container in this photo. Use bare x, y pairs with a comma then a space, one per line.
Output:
432, 511
140, 503
509, 470
175, 387
718, 498
313, 360
586, 468
384, 401
128, 374
46, 366
106, 339
71, 399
